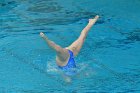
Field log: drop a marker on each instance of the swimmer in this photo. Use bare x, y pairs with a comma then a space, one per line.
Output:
65, 56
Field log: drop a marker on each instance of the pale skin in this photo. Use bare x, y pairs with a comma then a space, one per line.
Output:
62, 54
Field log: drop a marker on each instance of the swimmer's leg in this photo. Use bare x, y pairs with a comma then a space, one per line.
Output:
77, 44
62, 53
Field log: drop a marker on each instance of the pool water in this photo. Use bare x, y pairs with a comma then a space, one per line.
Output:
108, 62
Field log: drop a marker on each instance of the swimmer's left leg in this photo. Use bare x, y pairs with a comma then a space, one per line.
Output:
77, 44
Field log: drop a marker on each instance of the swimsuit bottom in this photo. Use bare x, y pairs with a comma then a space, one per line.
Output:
70, 68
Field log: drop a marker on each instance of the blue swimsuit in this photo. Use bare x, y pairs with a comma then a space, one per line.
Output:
70, 65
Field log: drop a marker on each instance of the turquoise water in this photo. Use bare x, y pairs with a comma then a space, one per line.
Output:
108, 62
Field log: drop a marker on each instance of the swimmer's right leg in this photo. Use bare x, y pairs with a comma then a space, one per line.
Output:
51, 44
62, 53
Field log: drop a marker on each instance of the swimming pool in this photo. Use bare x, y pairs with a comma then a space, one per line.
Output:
108, 62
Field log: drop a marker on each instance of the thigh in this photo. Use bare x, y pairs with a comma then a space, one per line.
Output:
76, 46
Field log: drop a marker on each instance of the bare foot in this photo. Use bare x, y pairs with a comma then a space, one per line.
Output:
92, 21
42, 34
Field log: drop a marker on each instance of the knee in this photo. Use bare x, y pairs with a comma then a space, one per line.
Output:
82, 38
